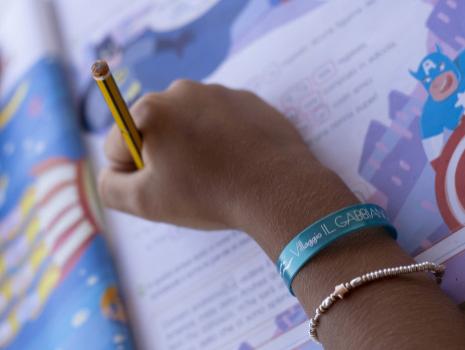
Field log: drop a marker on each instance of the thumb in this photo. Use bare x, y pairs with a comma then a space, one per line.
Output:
122, 190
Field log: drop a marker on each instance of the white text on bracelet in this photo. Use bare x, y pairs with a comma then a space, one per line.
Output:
327, 228
340, 221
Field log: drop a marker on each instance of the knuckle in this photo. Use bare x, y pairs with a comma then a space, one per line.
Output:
182, 85
247, 94
217, 87
144, 109
219, 91
144, 105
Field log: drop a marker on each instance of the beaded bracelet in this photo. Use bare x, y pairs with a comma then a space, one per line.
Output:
341, 290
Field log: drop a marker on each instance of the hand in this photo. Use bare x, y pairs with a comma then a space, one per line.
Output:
208, 153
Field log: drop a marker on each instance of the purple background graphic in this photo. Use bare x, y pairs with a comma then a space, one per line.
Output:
394, 162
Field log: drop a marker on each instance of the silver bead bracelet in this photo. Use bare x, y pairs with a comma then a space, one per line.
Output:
343, 289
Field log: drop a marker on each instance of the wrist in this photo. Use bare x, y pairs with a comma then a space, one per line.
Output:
289, 197
280, 205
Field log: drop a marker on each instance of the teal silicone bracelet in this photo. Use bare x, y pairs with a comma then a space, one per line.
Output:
323, 232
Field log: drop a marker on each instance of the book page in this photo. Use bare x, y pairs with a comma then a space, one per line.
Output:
340, 72
365, 109
58, 287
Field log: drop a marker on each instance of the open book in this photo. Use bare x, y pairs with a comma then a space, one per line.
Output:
375, 88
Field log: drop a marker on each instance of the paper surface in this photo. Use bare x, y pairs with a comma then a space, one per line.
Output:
340, 71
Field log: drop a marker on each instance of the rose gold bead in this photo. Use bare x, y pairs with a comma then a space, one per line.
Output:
340, 290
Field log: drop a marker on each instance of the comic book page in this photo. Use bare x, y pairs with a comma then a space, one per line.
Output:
58, 287
333, 68
394, 95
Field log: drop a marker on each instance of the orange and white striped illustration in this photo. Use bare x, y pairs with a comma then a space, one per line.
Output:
41, 239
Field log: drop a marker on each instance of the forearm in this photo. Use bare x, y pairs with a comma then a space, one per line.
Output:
385, 314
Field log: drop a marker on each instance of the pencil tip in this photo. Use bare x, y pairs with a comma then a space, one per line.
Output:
100, 69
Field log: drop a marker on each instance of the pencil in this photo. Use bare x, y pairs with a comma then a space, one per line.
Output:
119, 110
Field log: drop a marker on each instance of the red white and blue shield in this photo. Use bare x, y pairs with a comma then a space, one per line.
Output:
450, 180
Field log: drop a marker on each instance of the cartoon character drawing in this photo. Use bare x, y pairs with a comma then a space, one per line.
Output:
443, 130
150, 59
112, 306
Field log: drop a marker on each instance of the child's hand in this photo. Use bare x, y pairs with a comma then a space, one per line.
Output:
210, 154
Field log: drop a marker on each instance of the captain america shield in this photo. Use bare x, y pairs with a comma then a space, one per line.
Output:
450, 180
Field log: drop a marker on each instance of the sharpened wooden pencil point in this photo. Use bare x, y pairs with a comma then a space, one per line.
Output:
100, 69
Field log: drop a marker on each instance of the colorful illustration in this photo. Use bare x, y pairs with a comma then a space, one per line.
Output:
396, 159
44, 236
412, 162
112, 305
154, 59
54, 266
443, 79
149, 60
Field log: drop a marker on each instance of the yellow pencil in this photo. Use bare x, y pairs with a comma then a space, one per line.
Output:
119, 110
